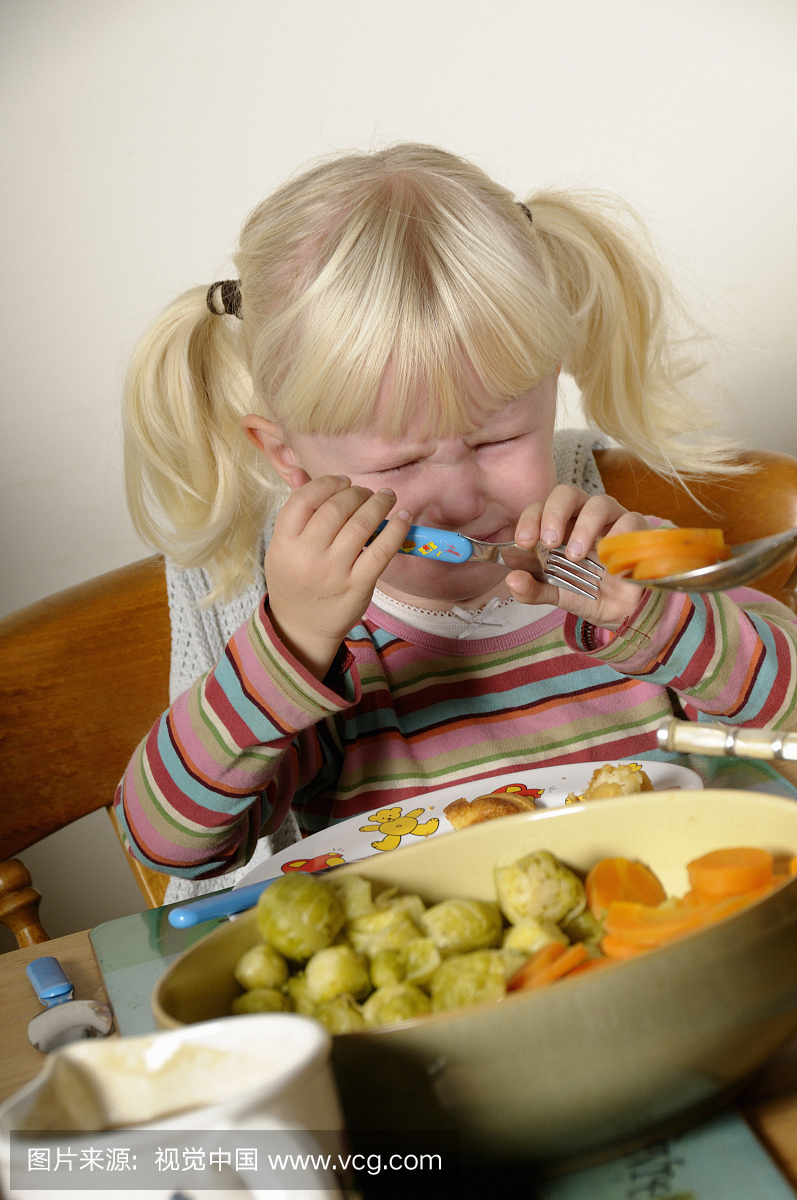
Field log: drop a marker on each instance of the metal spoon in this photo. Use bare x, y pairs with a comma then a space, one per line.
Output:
748, 561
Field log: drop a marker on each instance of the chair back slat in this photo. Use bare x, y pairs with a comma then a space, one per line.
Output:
746, 507
83, 675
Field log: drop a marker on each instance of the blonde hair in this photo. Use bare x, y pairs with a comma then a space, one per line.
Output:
409, 259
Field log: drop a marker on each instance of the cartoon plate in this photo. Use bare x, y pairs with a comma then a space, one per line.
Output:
423, 817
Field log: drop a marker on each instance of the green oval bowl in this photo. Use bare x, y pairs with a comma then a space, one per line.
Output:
593, 1064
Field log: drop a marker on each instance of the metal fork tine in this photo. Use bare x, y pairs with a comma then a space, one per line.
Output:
559, 559
590, 590
575, 577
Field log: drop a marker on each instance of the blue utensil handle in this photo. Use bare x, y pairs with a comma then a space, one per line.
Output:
219, 904
424, 542
49, 981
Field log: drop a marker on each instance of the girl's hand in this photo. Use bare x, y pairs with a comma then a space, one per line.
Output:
570, 515
319, 571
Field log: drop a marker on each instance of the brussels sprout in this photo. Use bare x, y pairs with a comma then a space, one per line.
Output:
585, 928
529, 936
387, 967
456, 926
335, 970
384, 929
340, 1015
469, 979
261, 967
299, 915
261, 1000
410, 904
540, 888
421, 960
395, 1002
296, 989
354, 893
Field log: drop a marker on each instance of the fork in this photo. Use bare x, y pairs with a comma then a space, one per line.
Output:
547, 566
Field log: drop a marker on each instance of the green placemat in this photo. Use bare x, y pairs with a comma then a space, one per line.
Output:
133, 952
721, 1159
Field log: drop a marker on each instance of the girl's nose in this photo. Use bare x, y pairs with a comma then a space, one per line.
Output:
457, 499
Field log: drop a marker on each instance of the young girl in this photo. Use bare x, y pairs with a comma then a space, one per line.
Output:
391, 351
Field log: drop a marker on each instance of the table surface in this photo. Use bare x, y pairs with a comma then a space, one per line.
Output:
769, 1104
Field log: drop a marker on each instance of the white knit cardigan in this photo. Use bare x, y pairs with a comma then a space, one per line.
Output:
199, 635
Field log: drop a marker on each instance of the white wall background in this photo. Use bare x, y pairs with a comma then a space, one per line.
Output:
136, 134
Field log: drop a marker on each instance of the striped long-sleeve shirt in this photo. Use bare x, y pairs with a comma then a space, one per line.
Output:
403, 712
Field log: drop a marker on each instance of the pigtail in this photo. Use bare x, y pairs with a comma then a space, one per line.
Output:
627, 357
196, 488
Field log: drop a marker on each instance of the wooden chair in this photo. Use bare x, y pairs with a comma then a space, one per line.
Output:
84, 673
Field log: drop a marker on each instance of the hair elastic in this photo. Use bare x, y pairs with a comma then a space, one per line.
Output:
527, 211
224, 296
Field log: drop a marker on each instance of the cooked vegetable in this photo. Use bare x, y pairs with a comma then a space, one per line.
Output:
298, 915
467, 979
383, 929
583, 928
527, 937
621, 879
447, 957
616, 948
655, 553
395, 1002
410, 904
261, 967
421, 959
590, 964
540, 888
335, 970
387, 967
457, 926
296, 989
550, 963
261, 1000
731, 872
641, 925
354, 893
340, 1015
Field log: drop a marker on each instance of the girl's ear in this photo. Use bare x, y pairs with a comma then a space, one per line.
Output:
269, 439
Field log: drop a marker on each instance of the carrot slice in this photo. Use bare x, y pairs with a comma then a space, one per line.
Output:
621, 560
539, 961
675, 564
731, 872
661, 537
590, 964
621, 879
555, 969
615, 948
642, 925
664, 551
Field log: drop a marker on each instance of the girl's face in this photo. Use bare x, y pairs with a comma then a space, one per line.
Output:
477, 484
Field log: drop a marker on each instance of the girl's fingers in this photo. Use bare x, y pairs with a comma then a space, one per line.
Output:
596, 518
375, 557
303, 503
528, 590
548, 522
298, 478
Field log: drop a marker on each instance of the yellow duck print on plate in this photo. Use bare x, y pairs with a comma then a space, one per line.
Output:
394, 826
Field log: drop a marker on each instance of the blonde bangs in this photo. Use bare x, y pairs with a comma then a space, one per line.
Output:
426, 286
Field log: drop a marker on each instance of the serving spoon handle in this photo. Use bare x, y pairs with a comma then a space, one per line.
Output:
717, 740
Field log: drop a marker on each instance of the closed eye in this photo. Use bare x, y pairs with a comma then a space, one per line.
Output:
393, 470
500, 442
